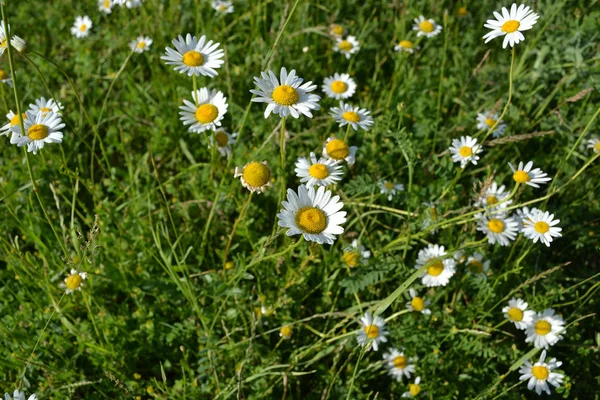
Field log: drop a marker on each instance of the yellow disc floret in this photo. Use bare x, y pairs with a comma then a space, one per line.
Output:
490, 122
414, 389
37, 132
426, 26
311, 220
495, 225
193, 58
510, 26
465, 151
337, 149
407, 44
221, 138
521, 177
3, 75
541, 227
418, 304
400, 362
436, 268
256, 174
285, 95
339, 87
351, 116
15, 120
475, 266
286, 331
491, 200
351, 258
542, 327
206, 113
515, 314
318, 171
345, 45
82, 28
141, 44
337, 30
73, 282
540, 372
372, 331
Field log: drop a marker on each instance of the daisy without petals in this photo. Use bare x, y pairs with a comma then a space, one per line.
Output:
354, 116
222, 7
540, 226
356, 254
389, 188
74, 281
141, 44
398, 364
346, 46
194, 57
439, 270
593, 144
494, 197
206, 112
39, 130
413, 388
19, 396
338, 150
498, 228
44, 106
285, 332
540, 374
224, 142
82, 27
465, 150
511, 24
322, 172
406, 46
255, 176
417, 304
5, 77
339, 86
528, 176
336, 30
477, 266
105, 6
372, 331
545, 330
312, 213
285, 96
426, 27
487, 120
518, 314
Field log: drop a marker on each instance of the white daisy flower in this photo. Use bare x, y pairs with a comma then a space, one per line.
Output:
465, 150
523, 215
133, 3
372, 331
105, 6
418, 304
5, 77
499, 228
541, 226
477, 266
141, 44
224, 142
336, 30
540, 374
16, 42
593, 144
312, 213
426, 27
322, 172
406, 46
389, 188
44, 106
194, 57
356, 254
511, 24
13, 121
339, 86
206, 112
413, 388
440, 269
222, 7
528, 176
255, 176
285, 332
19, 396
486, 121
346, 46
518, 314
287, 95
398, 364
82, 27
338, 150
545, 330
74, 281
494, 198
39, 130
355, 116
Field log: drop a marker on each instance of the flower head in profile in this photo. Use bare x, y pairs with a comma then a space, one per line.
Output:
318, 172
336, 30
372, 332
516, 312
593, 144
255, 176
141, 44
477, 265
356, 117
16, 42
224, 141
540, 374
339, 86
74, 281
347, 46
487, 120
406, 46
19, 396
205, 112
39, 129
498, 228
356, 254
525, 174
193, 56
105, 6
494, 198
338, 150
540, 225
545, 330
465, 150
440, 268
389, 188
398, 364
510, 24
413, 388
417, 304
426, 27
81, 27
222, 7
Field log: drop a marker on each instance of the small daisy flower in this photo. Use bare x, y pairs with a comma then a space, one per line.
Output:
224, 142
462, 11
13, 121
336, 30
540, 226
545, 329
255, 176
44, 106
19, 396
339, 86
389, 188
82, 27
465, 150
372, 331
511, 24
439, 270
5, 77
322, 172
285, 332
528, 176
141, 44
39, 130
398, 364
426, 27
356, 254
406, 46
74, 281
494, 197
540, 374
498, 228
593, 144
287, 95
418, 304
477, 266
354, 116
105, 6
313, 213
346, 46
194, 57
486, 121
206, 112
222, 7
133, 3
413, 388
517, 313
338, 150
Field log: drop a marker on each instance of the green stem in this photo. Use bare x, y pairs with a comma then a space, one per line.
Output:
282, 158
235, 225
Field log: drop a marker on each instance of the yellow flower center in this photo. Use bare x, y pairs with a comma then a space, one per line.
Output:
490, 122
141, 44
45, 110
73, 281
37, 132
256, 174
15, 120
337, 30
351, 116
510, 26
597, 147
351, 258
318, 171
542, 327
311, 220
345, 45
3, 75
521, 177
541, 227
207, 113
400, 362
426, 26
221, 138
83, 27
491, 200
193, 58
465, 151
407, 44
337, 149
418, 304
515, 314
372, 331
414, 389
388, 185
106, 3
285, 95
462, 11
339, 86
496, 226
222, 7
436, 268
540, 372
475, 266
286, 331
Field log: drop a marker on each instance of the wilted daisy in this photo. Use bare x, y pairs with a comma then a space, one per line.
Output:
413, 388
540, 374
336, 30
346, 46
511, 24
494, 197
372, 331
194, 57
439, 270
354, 116
287, 95
593, 144
105, 6
426, 27
338, 150
321, 172
82, 27
5, 77
398, 364
141, 44
44, 106
465, 150
312, 213
13, 121
405, 45
339, 86
545, 330
418, 304
528, 176
224, 141
499, 228
389, 188
477, 266
222, 7
356, 254
19, 396
255, 176
540, 226
285, 332
39, 130
517, 313
74, 281
206, 112
487, 120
